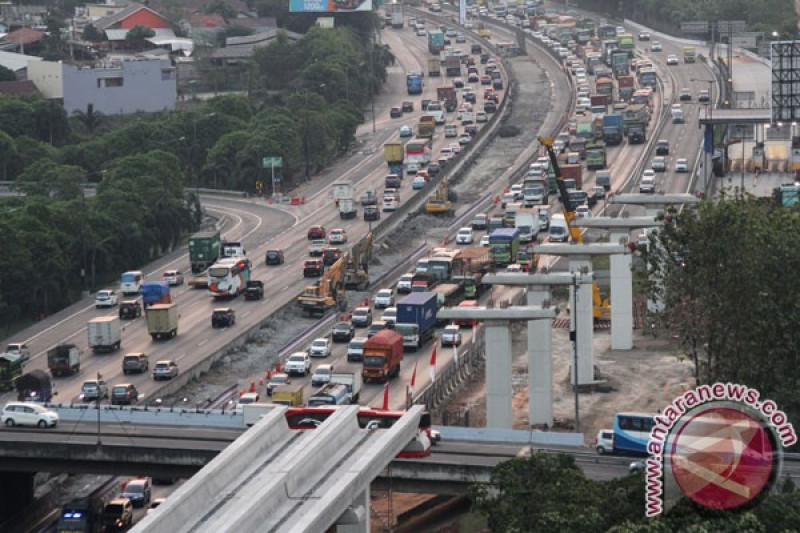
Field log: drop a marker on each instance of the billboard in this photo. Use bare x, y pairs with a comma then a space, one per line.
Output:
329, 6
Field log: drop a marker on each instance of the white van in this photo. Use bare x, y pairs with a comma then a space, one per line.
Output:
131, 282
677, 114
558, 231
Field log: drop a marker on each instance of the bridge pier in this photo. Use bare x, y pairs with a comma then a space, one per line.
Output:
498, 375
356, 518
16, 491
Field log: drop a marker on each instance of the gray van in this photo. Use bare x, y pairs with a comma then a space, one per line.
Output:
603, 179
355, 350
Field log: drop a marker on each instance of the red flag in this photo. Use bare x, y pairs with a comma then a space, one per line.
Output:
432, 367
278, 367
386, 396
414, 375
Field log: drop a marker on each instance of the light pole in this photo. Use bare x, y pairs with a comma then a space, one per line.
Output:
308, 150
741, 187
97, 403
573, 334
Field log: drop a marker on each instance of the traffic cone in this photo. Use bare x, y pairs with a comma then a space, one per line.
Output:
278, 367
269, 374
496, 200
252, 386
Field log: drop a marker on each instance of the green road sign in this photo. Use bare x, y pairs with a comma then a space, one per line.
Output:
270, 162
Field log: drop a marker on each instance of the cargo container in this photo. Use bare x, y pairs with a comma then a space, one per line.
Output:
291, 395
64, 360
416, 318
156, 292
204, 249
574, 172
105, 334
162, 321
503, 246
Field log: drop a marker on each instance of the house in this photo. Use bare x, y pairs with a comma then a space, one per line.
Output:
17, 63
241, 48
24, 40
113, 86
18, 88
117, 25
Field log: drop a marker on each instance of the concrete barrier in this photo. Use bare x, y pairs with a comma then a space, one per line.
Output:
164, 416
516, 436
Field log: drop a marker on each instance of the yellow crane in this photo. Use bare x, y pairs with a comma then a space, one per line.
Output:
438, 202
601, 309
327, 293
356, 274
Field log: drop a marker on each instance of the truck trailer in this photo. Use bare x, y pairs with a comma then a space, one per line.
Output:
382, 356
162, 321
105, 334
204, 249
64, 360
416, 318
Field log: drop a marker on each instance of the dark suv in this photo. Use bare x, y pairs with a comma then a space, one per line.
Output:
223, 317
342, 332
135, 362
118, 514
662, 147
124, 394
274, 257
130, 309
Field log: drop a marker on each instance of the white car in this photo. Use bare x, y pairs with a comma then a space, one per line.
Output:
682, 165
28, 414
672, 59
412, 168
321, 375
298, 363
485, 241
337, 236
480, 116
390, 315
655, 47
421, 32
583, 211
648, 182
451, 335
105, 298
320, 347
514, 268
173, 277
384, 298
465, 236
390, 204
404, 283
450, 131
516, 190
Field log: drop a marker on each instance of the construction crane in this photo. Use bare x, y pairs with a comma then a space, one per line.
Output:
356, 275
601, 310
439, 202
327, 293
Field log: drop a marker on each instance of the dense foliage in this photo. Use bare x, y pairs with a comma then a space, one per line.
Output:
765, 15
730, 296
548, 492
308, 115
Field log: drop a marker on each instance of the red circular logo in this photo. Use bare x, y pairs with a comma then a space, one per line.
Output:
722, 457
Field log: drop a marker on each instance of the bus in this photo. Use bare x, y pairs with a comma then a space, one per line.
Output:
626, 43
368, 418
418, 151
642, 96
228, 277
443, 262
509, 49
632, 432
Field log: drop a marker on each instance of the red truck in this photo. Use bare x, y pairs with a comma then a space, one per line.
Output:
574, 172
447, 95
600, 99
382, 356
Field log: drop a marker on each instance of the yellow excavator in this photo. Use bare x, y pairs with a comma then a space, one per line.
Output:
438, 202
601, 309
327, 293
356, 274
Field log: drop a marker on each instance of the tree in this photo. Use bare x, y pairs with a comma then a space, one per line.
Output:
724, 265
137, 35
92, 34
8, 151
6, 74
52, 124
91, 120
221, 8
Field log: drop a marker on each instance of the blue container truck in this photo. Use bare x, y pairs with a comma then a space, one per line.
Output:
613, 129
435, 42
155, 292
414, 83
503, 246
416, 319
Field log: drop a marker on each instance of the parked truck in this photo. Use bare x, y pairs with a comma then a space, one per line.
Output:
416, 318
204, 249
105, 334
573, 172
434, 67
156, 292
383, 354
447, 95
64, 360
626, 85
162, 321
290, 394
35, 386
612, 129
527, 222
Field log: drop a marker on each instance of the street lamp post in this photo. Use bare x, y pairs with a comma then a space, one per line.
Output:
710, 115
573, 334
308, 150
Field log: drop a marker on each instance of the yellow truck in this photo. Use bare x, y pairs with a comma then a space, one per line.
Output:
689, 54
291, 395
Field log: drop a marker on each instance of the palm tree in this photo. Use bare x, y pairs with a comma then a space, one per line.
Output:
91, 120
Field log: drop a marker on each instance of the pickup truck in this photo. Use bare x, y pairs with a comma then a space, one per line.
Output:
254, 290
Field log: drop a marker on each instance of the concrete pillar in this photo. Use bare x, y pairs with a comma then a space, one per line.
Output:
654, 306
498, 374
621, 297
540, 362
356, 518
16, 492
583, 317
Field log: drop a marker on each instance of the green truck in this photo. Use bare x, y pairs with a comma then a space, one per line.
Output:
596, 156
204, 249
10, 370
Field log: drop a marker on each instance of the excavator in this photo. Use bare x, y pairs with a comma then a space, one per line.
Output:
439, 202
327, 293
601, 310
356, 274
